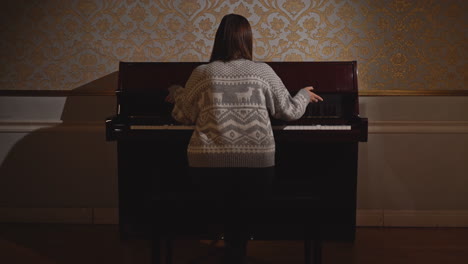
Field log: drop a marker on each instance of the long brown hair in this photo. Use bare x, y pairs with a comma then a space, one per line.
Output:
233, 39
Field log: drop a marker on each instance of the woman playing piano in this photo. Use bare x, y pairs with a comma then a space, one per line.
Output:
230, 100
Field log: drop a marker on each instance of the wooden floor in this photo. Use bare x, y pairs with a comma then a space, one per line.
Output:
89, 244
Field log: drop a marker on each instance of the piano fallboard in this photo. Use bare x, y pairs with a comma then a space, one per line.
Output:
305, 129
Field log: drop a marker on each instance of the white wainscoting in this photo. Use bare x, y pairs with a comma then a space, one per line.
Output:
57, 145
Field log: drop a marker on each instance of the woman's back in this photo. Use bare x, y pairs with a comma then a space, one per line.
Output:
231, 103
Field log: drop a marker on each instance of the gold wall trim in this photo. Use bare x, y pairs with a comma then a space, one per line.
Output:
65, 93
53, 93
413, 93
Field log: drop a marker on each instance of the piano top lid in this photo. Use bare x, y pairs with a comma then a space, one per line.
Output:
324, 76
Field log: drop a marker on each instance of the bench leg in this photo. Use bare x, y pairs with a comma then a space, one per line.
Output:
155, 251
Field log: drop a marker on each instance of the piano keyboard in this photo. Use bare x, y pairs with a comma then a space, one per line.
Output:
314, 127
295, 127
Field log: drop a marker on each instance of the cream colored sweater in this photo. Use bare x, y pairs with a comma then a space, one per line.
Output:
230, 104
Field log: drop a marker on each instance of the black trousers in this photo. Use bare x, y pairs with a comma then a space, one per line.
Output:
232, 190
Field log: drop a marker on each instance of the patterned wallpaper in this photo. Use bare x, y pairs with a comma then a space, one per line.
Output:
399, 44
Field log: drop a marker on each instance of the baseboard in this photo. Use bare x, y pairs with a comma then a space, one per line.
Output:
369, 218
429, 218
412, 218
106, 216
364, 218
47, 215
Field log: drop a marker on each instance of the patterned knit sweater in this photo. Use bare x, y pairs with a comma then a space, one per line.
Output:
230, 104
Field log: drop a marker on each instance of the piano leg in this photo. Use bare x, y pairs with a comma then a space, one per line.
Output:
155, 250
168, 251
317, 252
314, 253
307, 246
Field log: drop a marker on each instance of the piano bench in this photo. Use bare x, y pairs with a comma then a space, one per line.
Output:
187, 215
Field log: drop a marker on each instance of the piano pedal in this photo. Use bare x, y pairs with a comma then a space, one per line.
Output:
213, 244
251, 237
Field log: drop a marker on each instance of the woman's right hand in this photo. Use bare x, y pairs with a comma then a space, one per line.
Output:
313, 97
170, 97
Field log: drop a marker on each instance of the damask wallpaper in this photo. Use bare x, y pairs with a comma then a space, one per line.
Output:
399, 44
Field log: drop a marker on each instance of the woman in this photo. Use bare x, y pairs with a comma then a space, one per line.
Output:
230, 101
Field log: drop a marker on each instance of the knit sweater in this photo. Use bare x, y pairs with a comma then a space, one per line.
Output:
230, 104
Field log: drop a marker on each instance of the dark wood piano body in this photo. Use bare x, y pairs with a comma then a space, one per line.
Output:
316, 172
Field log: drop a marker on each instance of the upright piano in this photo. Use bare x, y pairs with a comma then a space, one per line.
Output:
316, 156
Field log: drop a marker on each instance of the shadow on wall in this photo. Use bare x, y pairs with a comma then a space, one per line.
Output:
65, 165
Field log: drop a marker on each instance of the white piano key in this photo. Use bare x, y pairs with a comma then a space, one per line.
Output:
314, 127
292, 127
161, 127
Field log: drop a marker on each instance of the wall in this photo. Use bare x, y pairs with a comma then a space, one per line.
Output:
413, 169
399, 44
55, 165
